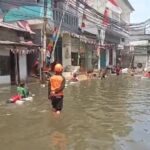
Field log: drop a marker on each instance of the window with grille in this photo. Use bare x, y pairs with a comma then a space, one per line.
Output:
4, 65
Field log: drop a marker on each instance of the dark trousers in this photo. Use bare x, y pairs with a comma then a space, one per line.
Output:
57, 102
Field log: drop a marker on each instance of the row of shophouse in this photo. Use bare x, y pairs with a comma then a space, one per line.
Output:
140, 44
83, 40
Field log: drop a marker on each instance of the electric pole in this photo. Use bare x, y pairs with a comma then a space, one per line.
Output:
43, 50
59, 29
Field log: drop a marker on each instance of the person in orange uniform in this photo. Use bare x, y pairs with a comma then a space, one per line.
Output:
56, 86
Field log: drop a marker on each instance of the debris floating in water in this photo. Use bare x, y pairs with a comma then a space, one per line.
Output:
43, 85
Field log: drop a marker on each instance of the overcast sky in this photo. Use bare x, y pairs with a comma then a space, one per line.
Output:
142, 10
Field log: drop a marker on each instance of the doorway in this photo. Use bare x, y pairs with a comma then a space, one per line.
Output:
58, 51
14, 68
103, 58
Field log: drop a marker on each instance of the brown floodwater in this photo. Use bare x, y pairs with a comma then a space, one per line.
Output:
109, 114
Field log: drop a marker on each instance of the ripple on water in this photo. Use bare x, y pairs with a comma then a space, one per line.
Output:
110, 114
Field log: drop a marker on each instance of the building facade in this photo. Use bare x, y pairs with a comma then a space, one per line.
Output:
140, 43
80, 41
15, 45
111, 33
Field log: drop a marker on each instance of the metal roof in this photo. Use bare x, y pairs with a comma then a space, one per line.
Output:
29, 43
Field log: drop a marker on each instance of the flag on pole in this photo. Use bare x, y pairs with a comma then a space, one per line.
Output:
112, 5
54, 34
83, 17
98, 50
50, 46
102, 36
106, 17
83, 21
105, 23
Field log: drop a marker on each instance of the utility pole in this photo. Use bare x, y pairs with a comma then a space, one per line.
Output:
61, 21
43, 50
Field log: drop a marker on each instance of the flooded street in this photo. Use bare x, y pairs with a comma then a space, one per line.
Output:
109, 114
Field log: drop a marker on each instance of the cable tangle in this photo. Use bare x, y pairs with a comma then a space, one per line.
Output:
93, 17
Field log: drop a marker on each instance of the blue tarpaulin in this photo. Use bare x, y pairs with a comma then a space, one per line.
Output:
28, 12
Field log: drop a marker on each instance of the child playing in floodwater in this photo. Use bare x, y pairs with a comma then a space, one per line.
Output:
103, 73
22, 92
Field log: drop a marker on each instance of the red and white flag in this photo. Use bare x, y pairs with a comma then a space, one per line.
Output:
106, 17
105, 23
112, 5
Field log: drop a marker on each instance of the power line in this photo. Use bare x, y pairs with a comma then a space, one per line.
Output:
91, 16
28, 9
101, 16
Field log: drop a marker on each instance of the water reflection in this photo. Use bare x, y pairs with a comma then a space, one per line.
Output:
100, 113
59, 140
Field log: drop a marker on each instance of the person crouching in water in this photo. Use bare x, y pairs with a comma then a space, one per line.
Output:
56, 86
103, 73
118, 70
74, 78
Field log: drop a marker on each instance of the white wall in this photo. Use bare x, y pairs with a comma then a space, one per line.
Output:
140, 59
4, 79
107, 57
126, 11
23, 67
66, 50
114, 57
100, 5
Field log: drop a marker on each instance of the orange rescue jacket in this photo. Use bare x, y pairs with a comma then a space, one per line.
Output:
56, 83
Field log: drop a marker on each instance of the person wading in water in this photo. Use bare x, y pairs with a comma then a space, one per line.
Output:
56, 86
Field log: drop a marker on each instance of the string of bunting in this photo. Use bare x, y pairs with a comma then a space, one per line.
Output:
24, 51
90, 41
82, 39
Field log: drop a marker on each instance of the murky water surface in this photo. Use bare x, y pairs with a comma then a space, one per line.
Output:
109, 114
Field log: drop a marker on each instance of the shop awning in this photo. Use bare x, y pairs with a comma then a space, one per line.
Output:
11, 26
140, 43
29, 43
82, 38
20, 48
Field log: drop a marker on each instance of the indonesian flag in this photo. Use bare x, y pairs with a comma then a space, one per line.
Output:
106, 17
112, 5
98, 50
54, 34
83, 21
